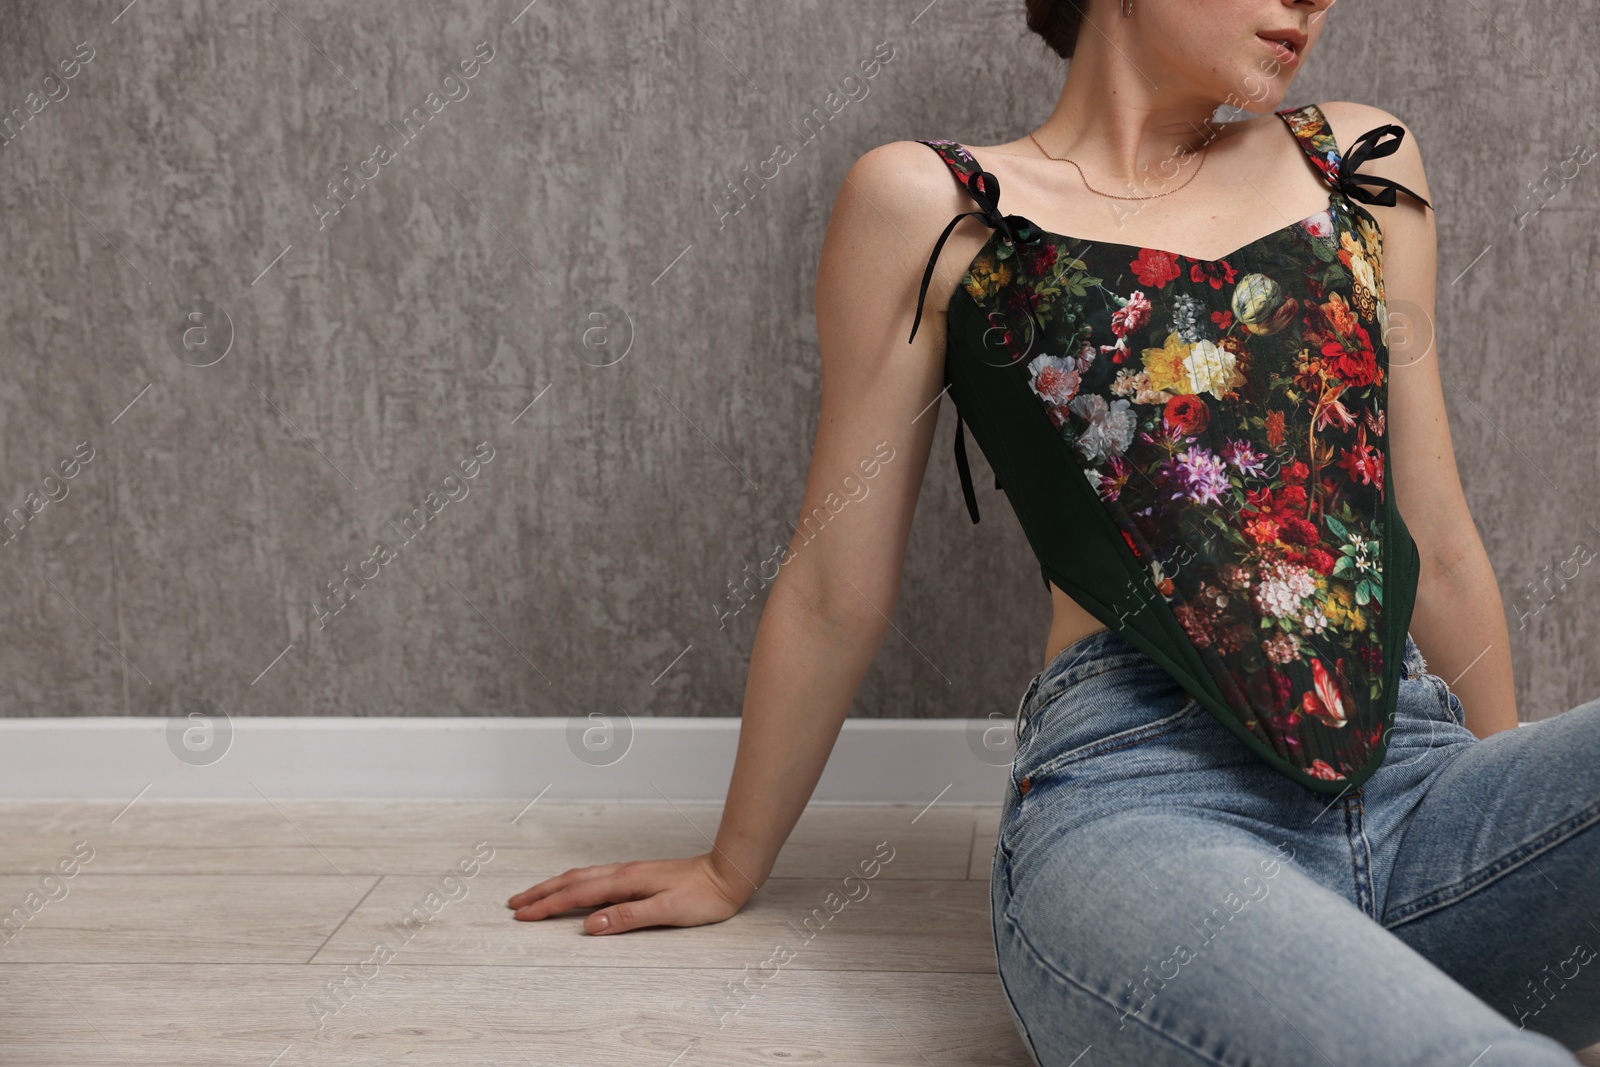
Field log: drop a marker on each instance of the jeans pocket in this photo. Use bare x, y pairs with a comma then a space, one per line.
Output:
1165, 722
1050, 688
1113, 715
1079, 755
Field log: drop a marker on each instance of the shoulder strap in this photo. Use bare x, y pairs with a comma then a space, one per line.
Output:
981, 186
960, 161
970, 174
1311, 129
984, 188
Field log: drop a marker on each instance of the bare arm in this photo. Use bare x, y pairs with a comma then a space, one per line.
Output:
828, 609
1459, 621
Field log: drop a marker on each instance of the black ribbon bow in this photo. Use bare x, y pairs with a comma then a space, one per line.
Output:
1371, 145
985, 189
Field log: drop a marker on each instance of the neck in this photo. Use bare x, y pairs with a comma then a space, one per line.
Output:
1115, 122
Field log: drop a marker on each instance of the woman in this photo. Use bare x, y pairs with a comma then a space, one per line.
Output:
1243, 825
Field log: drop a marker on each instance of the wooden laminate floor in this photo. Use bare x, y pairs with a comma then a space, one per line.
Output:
275, 933
209, 933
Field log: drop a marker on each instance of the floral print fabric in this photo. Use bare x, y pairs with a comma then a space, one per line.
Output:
1229, 415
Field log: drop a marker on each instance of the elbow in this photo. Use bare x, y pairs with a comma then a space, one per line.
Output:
842, 604
1460, 562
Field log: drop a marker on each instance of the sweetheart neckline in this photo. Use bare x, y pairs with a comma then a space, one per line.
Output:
995, 236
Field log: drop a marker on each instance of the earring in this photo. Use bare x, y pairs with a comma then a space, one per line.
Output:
1127, 9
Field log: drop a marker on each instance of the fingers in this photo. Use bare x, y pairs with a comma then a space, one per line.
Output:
585, 893
561, 881
620, 918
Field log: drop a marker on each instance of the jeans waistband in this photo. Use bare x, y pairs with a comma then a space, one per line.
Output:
1100, 651
1083, 658
1106, 650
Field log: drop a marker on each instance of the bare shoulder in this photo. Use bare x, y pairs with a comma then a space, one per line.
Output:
899, 186
890, 207
1347, 121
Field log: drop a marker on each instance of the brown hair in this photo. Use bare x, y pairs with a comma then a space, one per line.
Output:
1058, 22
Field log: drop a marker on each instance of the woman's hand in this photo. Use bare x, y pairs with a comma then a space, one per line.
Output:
679, 892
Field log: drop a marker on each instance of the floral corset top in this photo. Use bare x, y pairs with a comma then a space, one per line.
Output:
1197, 451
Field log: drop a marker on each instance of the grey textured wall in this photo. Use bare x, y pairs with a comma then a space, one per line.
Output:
565, 204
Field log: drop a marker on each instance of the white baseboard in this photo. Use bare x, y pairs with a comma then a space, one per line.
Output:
885, 761
906, 761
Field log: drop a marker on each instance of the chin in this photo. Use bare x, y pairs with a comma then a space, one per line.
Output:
1255, 87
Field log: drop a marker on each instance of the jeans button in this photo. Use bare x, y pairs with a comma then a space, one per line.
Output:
1024, 785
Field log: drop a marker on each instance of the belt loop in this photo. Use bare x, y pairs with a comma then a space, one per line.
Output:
1022, 708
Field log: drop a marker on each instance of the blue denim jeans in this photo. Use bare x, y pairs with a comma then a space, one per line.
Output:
1160, 895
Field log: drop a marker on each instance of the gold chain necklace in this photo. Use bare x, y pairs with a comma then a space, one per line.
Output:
1114, 196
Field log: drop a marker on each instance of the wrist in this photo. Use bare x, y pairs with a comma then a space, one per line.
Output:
740, 878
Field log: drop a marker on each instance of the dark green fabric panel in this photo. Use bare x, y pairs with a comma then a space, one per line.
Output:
1082, 550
